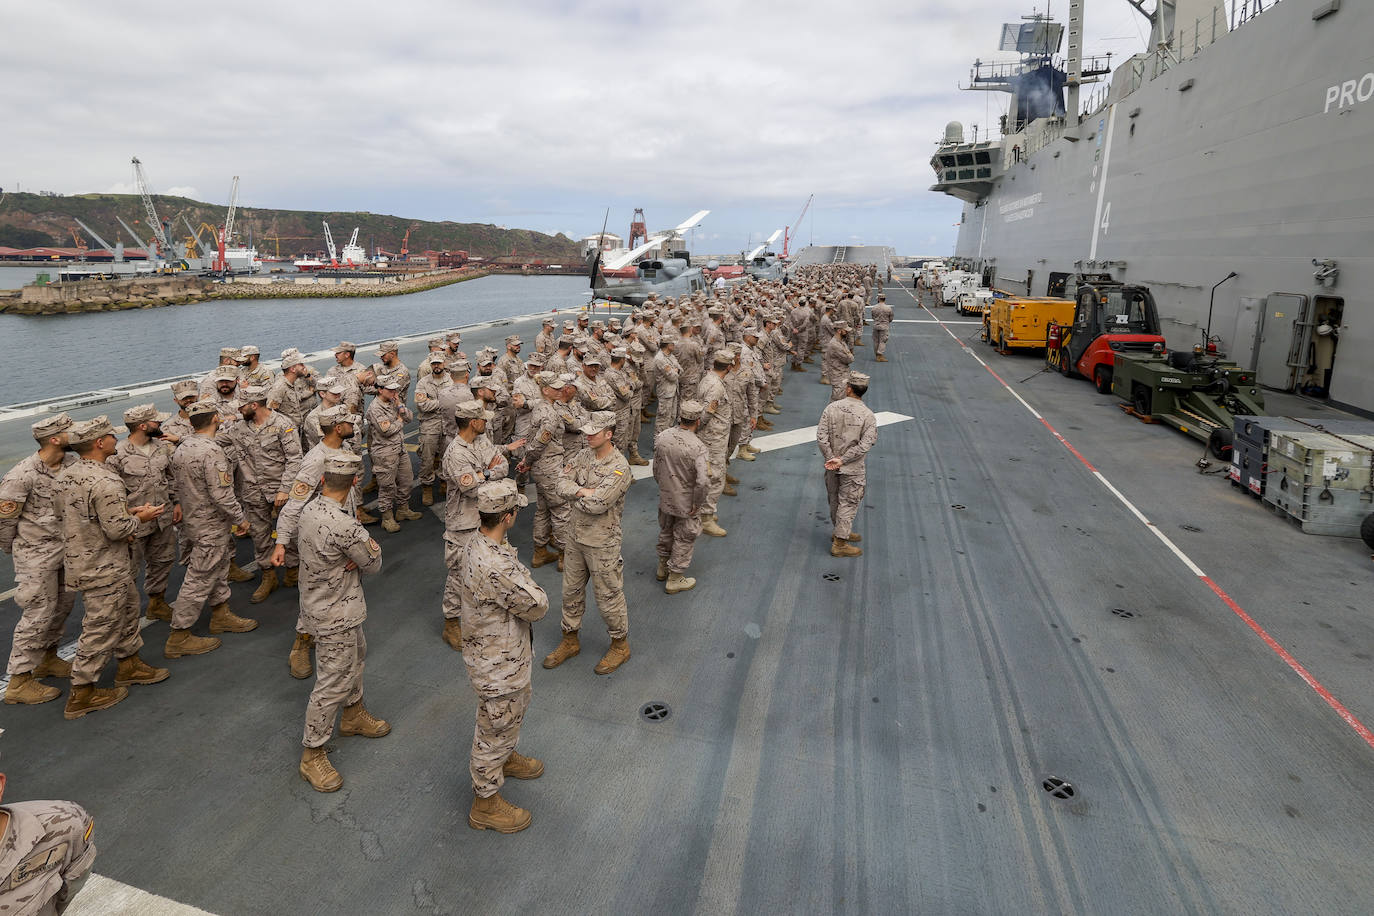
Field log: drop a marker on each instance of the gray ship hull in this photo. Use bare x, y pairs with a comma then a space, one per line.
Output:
1254, 156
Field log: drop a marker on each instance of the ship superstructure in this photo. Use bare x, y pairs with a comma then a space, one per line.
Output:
1238, 141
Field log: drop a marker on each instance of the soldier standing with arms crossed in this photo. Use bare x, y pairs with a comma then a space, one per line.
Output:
204, 484
335, 554
30, 532
683, 481
269, 448
97, 524
500, 602
427, 393
544, 460
387, 417
846, 432
714, 432
594, 482
144, 462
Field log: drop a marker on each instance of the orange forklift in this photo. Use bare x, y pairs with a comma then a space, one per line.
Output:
1109, 318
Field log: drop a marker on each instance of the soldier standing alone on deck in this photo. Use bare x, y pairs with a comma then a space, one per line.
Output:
97, 524
882, 323
594, 482
335, 554
29, 531
683, 481
500, 601
846, 432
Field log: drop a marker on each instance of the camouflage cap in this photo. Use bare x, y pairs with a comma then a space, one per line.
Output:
343, 463
512, 339
473, 410
337, 413
249, 350
184, 388
391, 380
569, 325
290, 351
486, 359
860, 379
750, 332
583, 317
459, 365
55, 425
691, 410
336, 384
489, 382
592, 360
145, 413
550, 380
565, 341
454, 337
579, 343
722, 357
715, 311
89, 430
201, 408
387, 346
346, 346
599, 420
437, 359
434, 342
500, 496
253, 394
293, 360
839, 325
225, 374
228, 352
488, 351
619, 353
536, 359
548, 321
598, 323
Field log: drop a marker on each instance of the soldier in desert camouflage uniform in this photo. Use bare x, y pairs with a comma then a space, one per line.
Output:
269, 448
29, 531
97, 524
144, 461
178, 425
428, 392
683, 481
500, 601
846, 432
335, 554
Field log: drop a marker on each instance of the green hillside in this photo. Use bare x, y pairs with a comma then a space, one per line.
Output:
31, 220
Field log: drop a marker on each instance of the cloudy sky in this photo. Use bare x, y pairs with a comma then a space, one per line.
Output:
536, 115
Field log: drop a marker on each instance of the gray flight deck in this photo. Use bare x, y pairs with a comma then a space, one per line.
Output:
866, 735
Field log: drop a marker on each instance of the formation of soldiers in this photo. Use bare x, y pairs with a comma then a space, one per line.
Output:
276, 456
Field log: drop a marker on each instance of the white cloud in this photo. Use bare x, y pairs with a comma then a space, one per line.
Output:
487, 112
183, 191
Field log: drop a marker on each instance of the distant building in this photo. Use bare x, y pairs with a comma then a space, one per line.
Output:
606, 241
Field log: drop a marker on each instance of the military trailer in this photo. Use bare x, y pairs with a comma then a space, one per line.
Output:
1197, 393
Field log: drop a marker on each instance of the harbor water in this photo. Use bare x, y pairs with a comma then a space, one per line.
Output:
50, 356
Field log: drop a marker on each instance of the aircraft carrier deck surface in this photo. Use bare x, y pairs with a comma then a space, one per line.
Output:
1049, 590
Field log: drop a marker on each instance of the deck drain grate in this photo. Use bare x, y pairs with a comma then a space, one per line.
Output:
831, 577
655, 712
1193, 528
758, 486
1059, 788
1123, 613
958, 506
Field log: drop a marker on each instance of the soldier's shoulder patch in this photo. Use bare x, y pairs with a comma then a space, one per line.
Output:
373, 547
300, 490
545, 436
290, 429
466, 480
9, 509
225, 478
620, 473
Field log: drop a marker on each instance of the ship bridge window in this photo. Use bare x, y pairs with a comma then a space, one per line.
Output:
966, 174
947, 161
985, 173
982, 157
966, 159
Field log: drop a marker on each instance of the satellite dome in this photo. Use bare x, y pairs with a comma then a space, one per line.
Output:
954, 132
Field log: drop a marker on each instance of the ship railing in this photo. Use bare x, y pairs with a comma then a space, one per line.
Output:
1188, 42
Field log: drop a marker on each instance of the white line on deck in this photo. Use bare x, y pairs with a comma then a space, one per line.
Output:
104, 896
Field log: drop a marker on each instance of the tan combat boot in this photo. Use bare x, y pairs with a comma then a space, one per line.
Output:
299, 659
292, 577
617, 655
743, 453
729, 490
825, 380
356, 720
406, 514
764, 423
453, 633
223, 620
238, 575
495, 813
266, 587
569, 647
52, 666
731, 478
854, 537
880, 359
427, 495
25, 688
636, 459
771, 408
90, 698
134, 670
710, 526
318, 771
366, 518
518, 766
677, 582
543, 556
389, 523
158, 608
839, 548
797, 367
181, 642
662, 573
645, 415
560, 561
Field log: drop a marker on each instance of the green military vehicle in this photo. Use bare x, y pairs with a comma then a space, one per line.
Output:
1193, 390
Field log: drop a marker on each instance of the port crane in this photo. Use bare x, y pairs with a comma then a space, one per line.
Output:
118, 255
329, 245
796, 224
221, 263
164, 247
